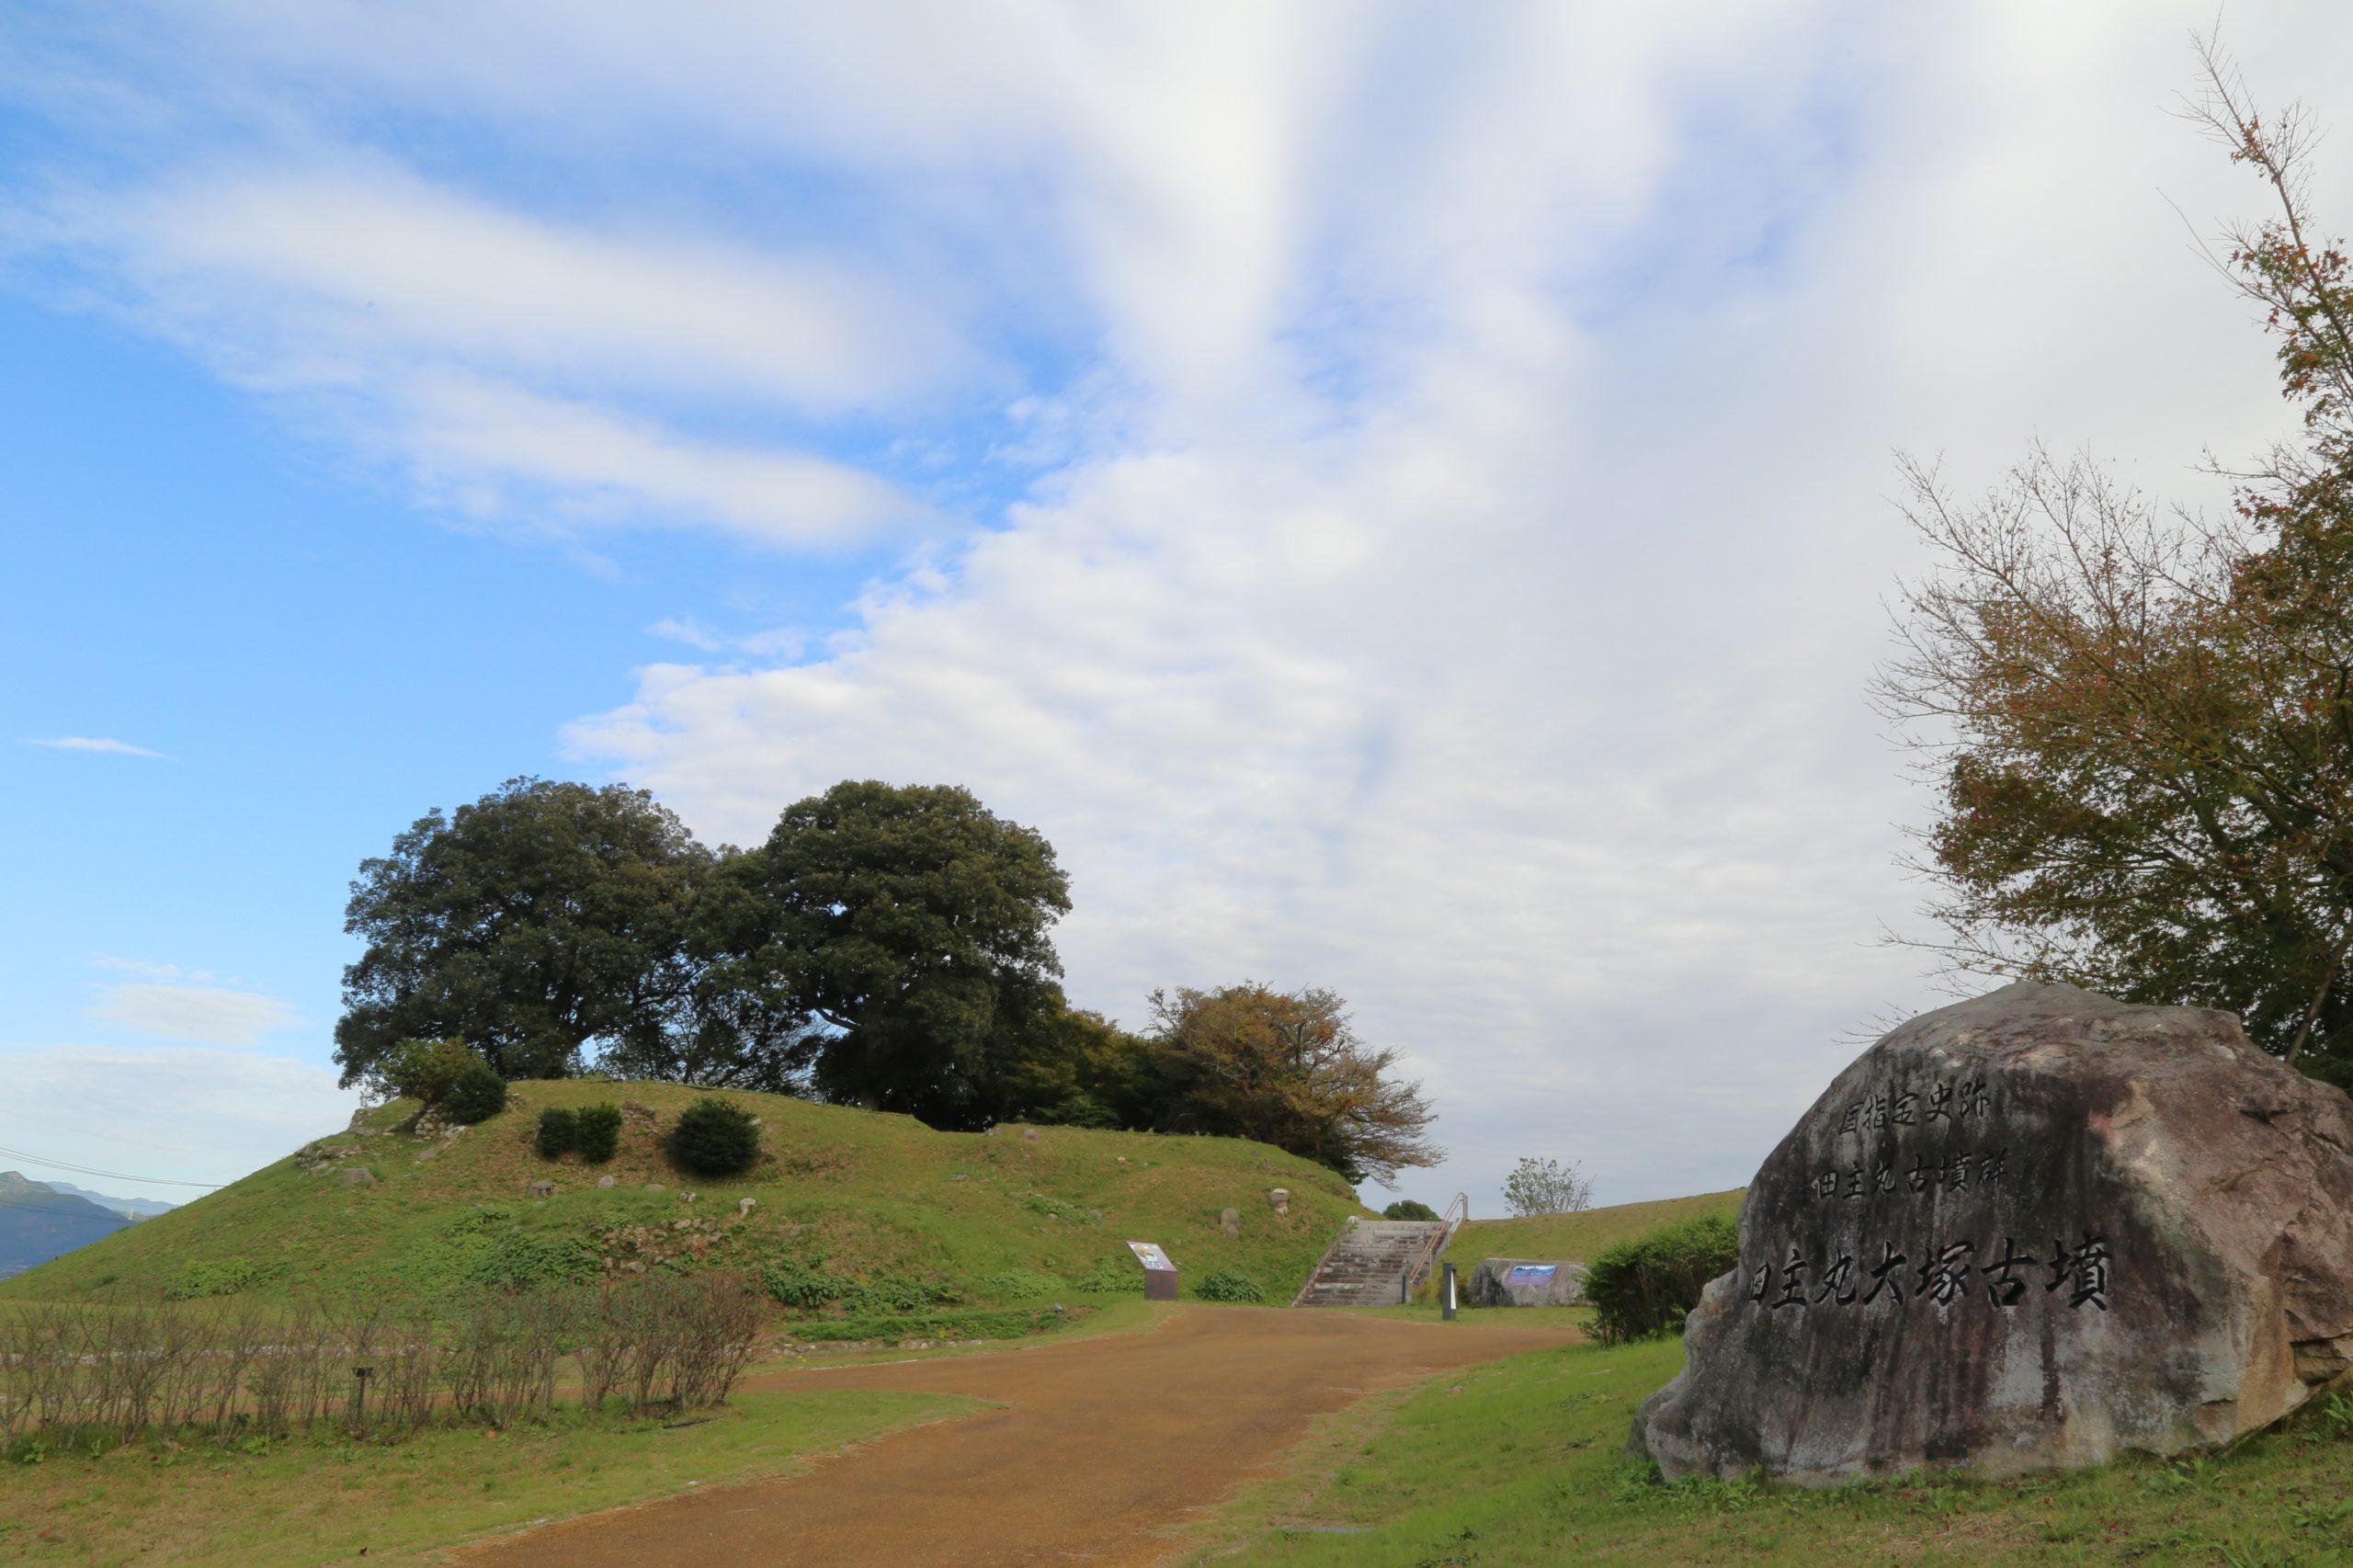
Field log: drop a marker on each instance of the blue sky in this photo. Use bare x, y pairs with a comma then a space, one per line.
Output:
1397, 494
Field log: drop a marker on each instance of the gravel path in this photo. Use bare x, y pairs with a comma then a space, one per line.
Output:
1103, 1445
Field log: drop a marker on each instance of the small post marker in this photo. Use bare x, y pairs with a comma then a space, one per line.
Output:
360, 1401
1446, 1295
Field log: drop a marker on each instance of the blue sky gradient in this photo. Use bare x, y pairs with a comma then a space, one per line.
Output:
1396, 494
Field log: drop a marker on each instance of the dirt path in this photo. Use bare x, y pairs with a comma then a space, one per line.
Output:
1102, 1444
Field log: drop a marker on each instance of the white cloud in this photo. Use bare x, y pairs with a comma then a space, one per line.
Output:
217, 1015
1461, 551
99, 743
500, 451
184, 1113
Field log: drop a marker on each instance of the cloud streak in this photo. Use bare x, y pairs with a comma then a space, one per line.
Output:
104, 744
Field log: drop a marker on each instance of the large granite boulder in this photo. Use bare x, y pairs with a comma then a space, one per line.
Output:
1525, 1282
2027, 1231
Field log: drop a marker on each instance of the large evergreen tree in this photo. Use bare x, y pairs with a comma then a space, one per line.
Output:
542, 921
910, 924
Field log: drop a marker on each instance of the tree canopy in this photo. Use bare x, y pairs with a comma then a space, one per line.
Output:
541, 921
2141, 720
1286, 1068
912, 923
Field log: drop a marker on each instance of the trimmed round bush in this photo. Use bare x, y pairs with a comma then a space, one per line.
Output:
476, 1093
1648, 1284
600, 1132
1408, 1208
715, 1138
559, 1132
1225, 1285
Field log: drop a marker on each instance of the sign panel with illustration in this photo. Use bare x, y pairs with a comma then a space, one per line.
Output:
1151, 1256
1531, 1273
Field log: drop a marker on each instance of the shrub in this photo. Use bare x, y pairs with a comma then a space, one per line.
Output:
1112, 1277
1018, 1285
477, 1094
559, 1132
792, 1284
715, 1138
1647, 1284
518, 1260
1225, 1285
220, 1277
600, 1132
426, 1070
1409, 1209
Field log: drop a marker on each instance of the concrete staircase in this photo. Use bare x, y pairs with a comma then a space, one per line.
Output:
1366, 1266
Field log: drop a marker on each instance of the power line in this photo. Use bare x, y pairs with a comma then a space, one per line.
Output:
110, 1176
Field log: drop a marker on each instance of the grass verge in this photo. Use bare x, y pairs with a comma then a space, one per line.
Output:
325, 1499
1523, 1462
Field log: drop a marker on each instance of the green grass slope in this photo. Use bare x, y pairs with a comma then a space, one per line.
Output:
1579, 1237
887, 1213
1522, 1463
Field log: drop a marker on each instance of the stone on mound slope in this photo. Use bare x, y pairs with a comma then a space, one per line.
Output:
2027, 1231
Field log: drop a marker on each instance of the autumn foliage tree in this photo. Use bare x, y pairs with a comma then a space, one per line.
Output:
1286, 1068
2140, 719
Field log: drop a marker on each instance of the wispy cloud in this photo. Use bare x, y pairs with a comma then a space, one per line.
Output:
214, 1014
99, 743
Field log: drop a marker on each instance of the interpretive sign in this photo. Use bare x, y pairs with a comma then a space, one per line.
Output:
1536, 1275
2029, 1230
1159, 1274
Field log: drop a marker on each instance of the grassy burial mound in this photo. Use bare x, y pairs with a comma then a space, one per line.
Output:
856, 1221
1580, 1237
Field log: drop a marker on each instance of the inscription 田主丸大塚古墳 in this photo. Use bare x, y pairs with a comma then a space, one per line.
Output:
1939, 1274
1944, 1275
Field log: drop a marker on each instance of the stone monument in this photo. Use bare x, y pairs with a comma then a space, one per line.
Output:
2027, 1231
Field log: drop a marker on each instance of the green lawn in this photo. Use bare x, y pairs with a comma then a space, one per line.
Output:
325, 1499
1580, 1237
1524, 1462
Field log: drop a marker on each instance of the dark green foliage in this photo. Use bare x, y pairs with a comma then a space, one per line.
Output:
1647, 1284
425, 1070
520, 1260
477, 1094
809, 1287
558, 1134
541, 919
1409, 1209
1112, 1277
223, 1277
899, 934
715, 1138
1018, 1285
599, 1132
1225, 1285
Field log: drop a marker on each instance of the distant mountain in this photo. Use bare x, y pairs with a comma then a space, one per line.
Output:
38, 1223
131, 1207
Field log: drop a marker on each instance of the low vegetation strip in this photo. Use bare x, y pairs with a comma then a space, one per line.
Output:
1523, 1462
85, 1374
256, 1502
